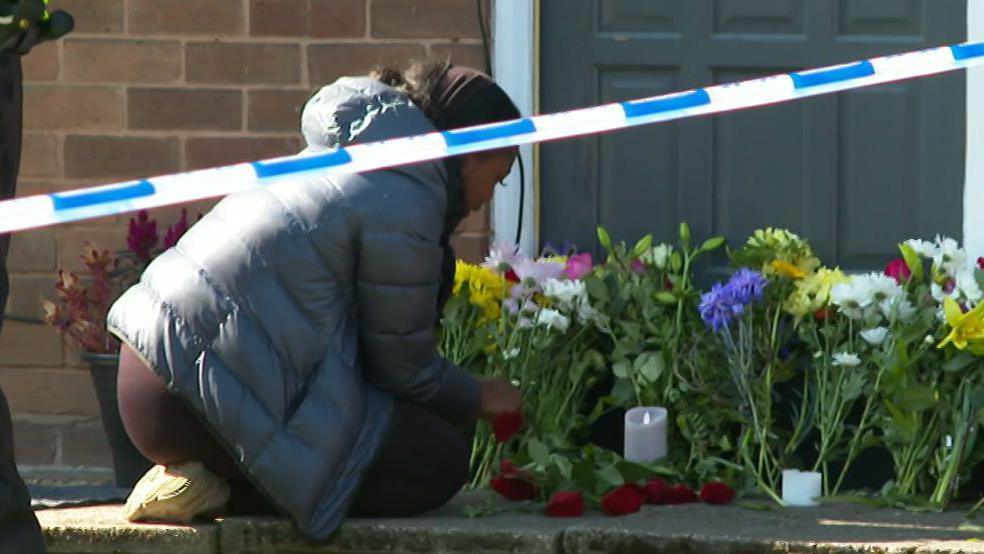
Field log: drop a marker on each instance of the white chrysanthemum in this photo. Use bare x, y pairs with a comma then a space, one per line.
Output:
949, 256
537, 271
568, 294
846, 359
852, 298
510, 354
875, 336
552, 319
882, 287
928, 339
968, 286
924, 248
897, 308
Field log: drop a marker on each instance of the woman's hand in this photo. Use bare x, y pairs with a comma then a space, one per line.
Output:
498, 396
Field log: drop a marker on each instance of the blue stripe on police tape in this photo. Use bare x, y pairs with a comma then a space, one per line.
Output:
965, 51
126, 191
680, 101
495, 131
805, 79
306, 163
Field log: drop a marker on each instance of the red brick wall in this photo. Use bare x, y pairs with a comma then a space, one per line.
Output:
146, 87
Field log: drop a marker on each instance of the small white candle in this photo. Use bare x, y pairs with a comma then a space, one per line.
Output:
645, 434
799, 488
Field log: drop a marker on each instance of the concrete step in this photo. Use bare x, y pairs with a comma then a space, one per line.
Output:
688, 529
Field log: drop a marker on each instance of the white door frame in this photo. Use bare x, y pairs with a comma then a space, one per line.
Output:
973, 208
515, 67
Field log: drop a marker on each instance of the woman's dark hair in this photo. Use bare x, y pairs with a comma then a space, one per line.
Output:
437, 89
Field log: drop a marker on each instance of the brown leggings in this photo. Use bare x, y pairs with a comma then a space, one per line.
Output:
420, 466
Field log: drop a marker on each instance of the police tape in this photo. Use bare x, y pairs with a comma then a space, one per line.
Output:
86, 203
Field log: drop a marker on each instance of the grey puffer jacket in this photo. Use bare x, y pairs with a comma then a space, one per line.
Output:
290, 317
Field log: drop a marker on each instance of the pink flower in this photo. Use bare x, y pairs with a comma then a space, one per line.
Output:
899, 270
578, 266
638, 266
142, 236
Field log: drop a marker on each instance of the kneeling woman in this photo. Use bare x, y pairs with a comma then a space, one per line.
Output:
285, 347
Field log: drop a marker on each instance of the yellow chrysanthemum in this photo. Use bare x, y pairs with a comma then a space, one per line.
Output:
812, 292
782, 246
787, 269
485, 288
966, 329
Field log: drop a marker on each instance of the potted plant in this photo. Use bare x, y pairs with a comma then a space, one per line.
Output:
79, 313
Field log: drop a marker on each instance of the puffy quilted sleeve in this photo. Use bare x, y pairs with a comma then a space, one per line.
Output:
398, 279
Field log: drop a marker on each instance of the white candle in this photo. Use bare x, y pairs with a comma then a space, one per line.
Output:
645, 434
799, 488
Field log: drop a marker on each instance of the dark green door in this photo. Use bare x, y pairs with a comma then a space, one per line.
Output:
853, 172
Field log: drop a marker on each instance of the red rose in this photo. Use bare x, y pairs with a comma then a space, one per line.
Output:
507, 467
823, 315
513, 488
899, 270
655, 491
980, 263
623, 500
511, 276
565, 504
680, 494
506, 425
716, 492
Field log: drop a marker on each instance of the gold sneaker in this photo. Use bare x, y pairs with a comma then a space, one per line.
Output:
176, 494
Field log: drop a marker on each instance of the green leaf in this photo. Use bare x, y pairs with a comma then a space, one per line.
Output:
959, 361
915, 399
643, 246
538, 452
621, 369
650, 365
604, 238
563, 464
623, 392
913, 261
712, 243
610, 476
596, 288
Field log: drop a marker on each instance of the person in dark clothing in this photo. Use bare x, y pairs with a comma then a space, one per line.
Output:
22, 25
286, 344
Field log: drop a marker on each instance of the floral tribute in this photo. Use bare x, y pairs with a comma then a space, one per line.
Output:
783, 362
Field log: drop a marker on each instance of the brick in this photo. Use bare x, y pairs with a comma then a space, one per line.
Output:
119, 157
214, 62
94, 16
32, 251
452, 19
211, 152
35, 444
210, 17
27, 293
71, 238
130, 61
308, 18
42, 64
327, 62
468, 55
23, 344
51, 107
39, 155
85, 445
470, 247
50, 392
185, 109
275, 110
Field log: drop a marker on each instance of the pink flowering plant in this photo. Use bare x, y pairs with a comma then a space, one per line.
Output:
82, 299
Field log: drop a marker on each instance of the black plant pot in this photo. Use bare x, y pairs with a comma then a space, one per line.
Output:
128, 464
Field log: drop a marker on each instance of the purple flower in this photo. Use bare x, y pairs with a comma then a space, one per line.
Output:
746, 286
718, 307
175, 231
